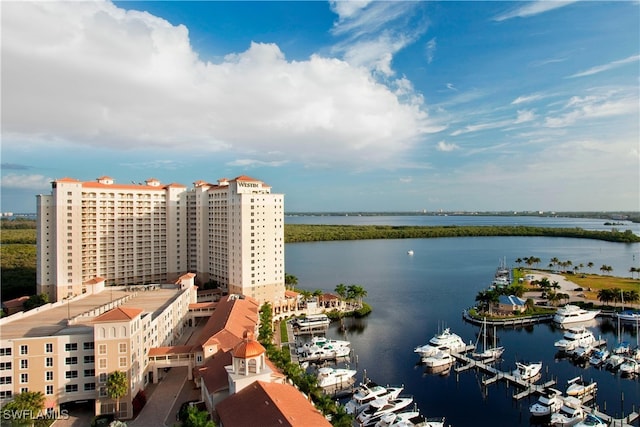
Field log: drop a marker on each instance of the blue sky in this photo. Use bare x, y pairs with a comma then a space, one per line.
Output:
341, 106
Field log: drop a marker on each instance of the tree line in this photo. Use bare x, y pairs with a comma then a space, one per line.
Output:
296, 233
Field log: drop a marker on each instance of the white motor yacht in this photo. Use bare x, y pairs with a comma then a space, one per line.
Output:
630, 366
329, 377
548, 403
322, 342
408, 419
312, 321
572, 313
381, 407
570, 414
629, 316
574, 337
367, 393
444, 340
614, 362
577, 387
527, 371
591, 421
441, 358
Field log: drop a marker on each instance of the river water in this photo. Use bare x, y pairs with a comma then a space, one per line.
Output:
415, 296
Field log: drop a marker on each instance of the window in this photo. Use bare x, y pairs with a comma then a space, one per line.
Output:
5, 380
89, 372
123, 362
88, 345
70, 360
102, 349
24, 349
103, 392
122, 348
89, 359
5, 366
5, 394
71, 346
48, 347
71, 388
24, 364
5, 351
102, 363
49, 390
48, 376
71, 374
48, 362
24, 378
89, 386
102, 378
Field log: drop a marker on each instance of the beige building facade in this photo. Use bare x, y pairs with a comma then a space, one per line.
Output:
231, 232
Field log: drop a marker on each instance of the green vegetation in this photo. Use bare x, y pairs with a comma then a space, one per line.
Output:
117, 386
295, 233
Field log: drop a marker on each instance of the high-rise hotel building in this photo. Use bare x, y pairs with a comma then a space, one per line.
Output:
230, 232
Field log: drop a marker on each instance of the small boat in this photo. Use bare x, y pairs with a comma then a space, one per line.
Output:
446, 339
527, 371
614, 362
582, 352
591, 421
548, 403
572, 313
320, 354
441, 358
622, 348
577, 387
630, 366
574, 337
570, 414
598, 357
330, 377
408, 419
410, 252
381, 407
629, 316
367, 393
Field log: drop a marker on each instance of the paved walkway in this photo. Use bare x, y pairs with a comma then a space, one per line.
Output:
162, 400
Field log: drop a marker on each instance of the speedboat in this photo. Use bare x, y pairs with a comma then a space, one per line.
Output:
548, 403
629, 316
630, 366
367, 393
598, 357
445, 339
381, 407
582, 352
570, 414
441, 358
328, 353
591, 421
527, 371
328, 377
577, 387
574, 337
572, 313
622, 348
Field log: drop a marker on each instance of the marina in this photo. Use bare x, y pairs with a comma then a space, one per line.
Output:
413, 296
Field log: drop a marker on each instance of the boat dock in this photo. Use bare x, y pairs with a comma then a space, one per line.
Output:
485, 366
529, 388
511, 321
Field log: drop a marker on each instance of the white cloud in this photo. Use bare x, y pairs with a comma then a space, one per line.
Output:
526, 99
525, 116
593, 107
533, 8
431, 49
443, 146
606, 67
90, 73
245, 163
25, 182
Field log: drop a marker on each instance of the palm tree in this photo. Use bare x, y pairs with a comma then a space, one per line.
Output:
589, 265
605, 295
357, 292
290, 281
341, 290
117, 387
25, 406
554, 262
633, 270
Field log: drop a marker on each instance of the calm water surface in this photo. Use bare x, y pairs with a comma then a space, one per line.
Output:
415, 296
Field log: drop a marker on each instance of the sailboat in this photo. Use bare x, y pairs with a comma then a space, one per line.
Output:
487, 353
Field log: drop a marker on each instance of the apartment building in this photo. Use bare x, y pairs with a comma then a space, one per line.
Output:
230, 232
67, 349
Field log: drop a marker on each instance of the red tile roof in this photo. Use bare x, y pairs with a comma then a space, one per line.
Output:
176, 349
269, 405
213, 372
228, 323
16, 302
119, 314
